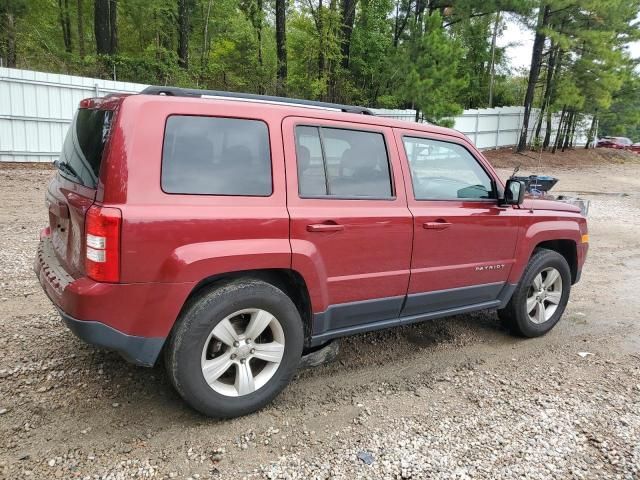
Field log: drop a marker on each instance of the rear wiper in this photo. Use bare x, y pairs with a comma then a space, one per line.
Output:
64, 166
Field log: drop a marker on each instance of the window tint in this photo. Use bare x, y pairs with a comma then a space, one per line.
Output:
216, 156
83, 146
445, 171
342, 163
311, 173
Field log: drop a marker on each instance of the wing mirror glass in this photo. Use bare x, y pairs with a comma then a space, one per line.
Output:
514, 192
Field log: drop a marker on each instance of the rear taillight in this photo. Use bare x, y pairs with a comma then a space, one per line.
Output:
45, 233
103, 244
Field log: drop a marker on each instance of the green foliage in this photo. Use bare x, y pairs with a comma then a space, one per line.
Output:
372, 48
431, 55
429, 69
623, 117
587, 40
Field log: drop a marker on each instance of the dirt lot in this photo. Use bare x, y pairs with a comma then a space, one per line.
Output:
454, 398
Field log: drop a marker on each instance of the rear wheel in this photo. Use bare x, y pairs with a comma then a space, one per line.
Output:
540, 297
235, 348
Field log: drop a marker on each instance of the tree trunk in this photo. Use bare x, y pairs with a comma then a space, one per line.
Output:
534, 73
571, 126
333, 31
11, 40
65, 23
261, 89
281, 46
113, 25
320, 25
547, 133
400, 25
546, 97
557, 140
420, 7
565, 135
81, 29
205, 44
183, 33
572, 137
492, 69
592, 130
105, 26
396, 25
541, 116
348, 19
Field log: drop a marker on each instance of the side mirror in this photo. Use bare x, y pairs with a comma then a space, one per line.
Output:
514, 192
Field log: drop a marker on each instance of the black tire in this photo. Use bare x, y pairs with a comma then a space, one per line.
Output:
200, 316
515, 315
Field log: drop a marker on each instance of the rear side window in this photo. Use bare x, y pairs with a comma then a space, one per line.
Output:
216, 156
81, 154
342, 163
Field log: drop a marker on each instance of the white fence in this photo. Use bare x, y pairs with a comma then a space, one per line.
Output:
491, 128
36, 109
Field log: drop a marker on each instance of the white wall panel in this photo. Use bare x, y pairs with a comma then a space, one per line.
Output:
37, 107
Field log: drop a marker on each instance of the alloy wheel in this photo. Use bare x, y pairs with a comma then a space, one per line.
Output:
243, 352
544, 295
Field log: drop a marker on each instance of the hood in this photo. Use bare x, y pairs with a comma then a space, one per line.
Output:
543, 204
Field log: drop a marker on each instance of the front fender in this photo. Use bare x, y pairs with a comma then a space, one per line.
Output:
197, 261
541, 231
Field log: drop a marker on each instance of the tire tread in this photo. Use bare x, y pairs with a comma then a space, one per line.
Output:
512, 315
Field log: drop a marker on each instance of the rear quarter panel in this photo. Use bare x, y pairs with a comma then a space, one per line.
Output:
185, 238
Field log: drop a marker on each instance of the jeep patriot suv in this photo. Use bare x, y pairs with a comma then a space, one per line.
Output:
232, 234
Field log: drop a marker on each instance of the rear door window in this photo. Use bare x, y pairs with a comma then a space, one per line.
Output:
83, 146
216, 156
342, 163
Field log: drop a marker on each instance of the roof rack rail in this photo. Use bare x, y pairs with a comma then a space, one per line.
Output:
252, 97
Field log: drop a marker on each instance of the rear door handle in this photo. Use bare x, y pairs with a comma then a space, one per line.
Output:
325, 227
437, 225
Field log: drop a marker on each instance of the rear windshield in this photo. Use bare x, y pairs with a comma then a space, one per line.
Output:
83, 146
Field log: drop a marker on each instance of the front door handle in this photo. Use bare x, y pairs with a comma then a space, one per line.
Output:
325, 227
437, 225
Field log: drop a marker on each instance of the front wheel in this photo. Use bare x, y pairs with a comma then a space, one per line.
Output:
235, 348
541, 296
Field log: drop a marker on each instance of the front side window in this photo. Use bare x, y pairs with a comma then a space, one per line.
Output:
216, 156
445, 171
342, 163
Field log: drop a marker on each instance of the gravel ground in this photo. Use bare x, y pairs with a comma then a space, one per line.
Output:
453, 398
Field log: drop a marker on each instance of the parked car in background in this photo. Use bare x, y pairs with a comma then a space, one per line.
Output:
232, 235
620, 143
635, 147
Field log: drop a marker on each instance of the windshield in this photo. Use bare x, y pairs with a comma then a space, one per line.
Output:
83, 146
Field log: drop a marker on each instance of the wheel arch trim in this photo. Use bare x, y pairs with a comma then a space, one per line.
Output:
548, 234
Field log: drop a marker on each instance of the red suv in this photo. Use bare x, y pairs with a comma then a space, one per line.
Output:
619, 143
236, 233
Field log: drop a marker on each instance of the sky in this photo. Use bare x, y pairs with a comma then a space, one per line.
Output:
519, 41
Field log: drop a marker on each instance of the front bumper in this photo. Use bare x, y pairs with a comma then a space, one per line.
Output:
142, 351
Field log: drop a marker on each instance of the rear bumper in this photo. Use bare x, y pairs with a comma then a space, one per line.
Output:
131, 318
142, 351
